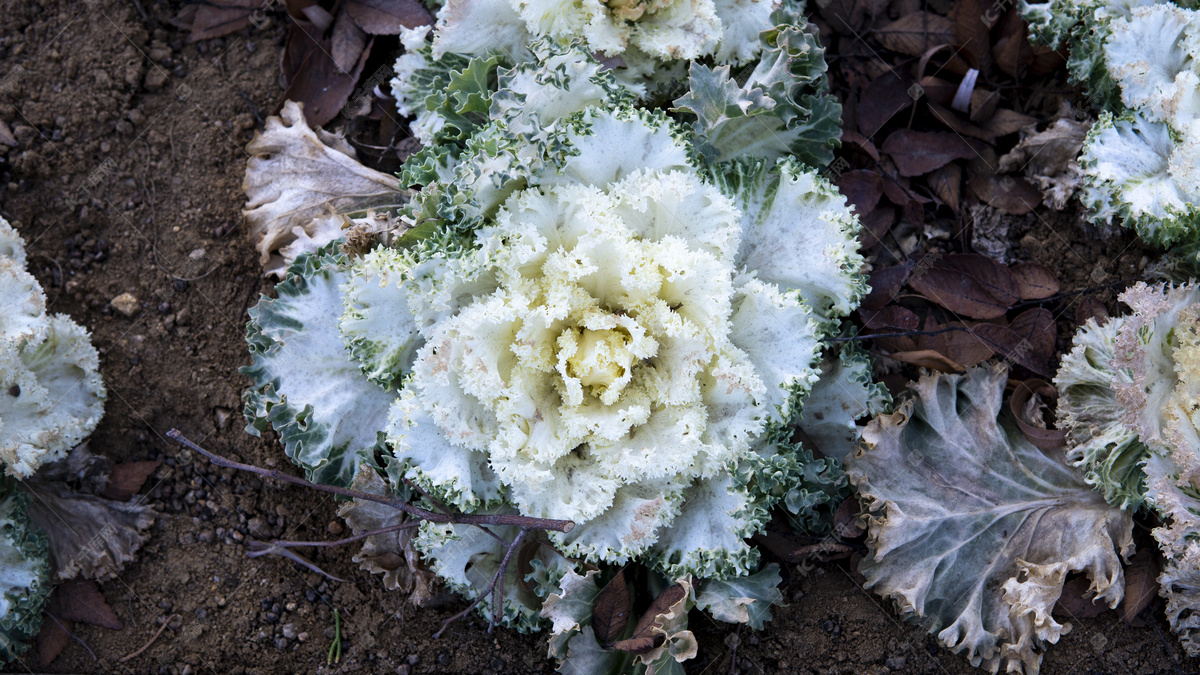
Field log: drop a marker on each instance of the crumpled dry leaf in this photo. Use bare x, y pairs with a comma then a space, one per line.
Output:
972, 530
392, 555
90, 537
1050, 158
914, 33
918, 152
81, 468
296, 176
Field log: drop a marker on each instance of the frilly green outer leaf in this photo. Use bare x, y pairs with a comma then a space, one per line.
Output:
745, 600
467, 559
782, 108
306, 385
846, 392
24, 574
1099, 442
798, 233
973, 530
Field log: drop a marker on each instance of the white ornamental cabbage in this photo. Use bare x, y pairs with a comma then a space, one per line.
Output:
585, 320
51, 394
1141, 64
1129, 395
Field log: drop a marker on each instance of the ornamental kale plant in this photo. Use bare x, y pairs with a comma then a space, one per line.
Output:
51, 397
1128, 401
1141, 65
584, 315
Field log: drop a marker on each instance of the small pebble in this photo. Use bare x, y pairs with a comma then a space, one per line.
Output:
413, 659
126, 304
289, 631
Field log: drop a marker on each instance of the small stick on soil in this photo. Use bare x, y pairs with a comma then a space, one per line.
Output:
415, 511
146, 646
73, 636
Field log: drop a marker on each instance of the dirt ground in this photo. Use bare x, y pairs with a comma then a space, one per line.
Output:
127, 179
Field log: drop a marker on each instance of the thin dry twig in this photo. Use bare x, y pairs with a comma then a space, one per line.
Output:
495, 589
146, 646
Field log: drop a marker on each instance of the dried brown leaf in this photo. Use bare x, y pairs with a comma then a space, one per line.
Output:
885, 96
387, 17
1089, 307
127, 478
892, 319
82, 601
845, 519
996, 278
983, 105
960, 346
927, 358
875, 226
862, 189
956, 123
972, 34
938, 90
1009, 345
1036, 282
959, 293
885, 284
1011, 194
1024, 407
919, 152
849, 138
914, 33
1037, 327
347, 42
1011, 51
217, 17
946, 183
1141, 585
322, 87
1006, 121
610, 614
644, 638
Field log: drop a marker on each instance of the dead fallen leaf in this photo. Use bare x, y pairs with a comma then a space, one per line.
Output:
914, 33
82, 601
875, 226
849, 138
1037, 327
971, 34
994, 277
851, 17
1141, 585
1036, 282
322, 87
1074, 603
885, 283
127, 478
347, 42
1011, 194
946, 183
891, 318
1011, 51
885, 96
1026, 410
1006, 121
938, 90
956, 123
927, 358
983, 105
51, 639
644, 638
610, 614
215, 18
919, 152
960, 292
1089, 307
845, 519
862, 189
387, 17
1009, 345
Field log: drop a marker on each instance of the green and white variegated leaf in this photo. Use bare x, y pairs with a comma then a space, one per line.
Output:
1084, 25
478, 27
24, 315
305, 383
467, 559
787, 473
782, 109
585, 655
708, 538
972, 530
1134, 169
12, 246
379, 328
745, 599
1099, 442
845, 392
797, 233
569, 608
456, 475
24, 574
1154, 54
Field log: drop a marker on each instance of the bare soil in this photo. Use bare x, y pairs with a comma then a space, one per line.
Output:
127, 179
